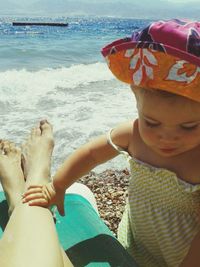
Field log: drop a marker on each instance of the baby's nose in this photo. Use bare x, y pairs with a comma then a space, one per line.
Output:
168, 135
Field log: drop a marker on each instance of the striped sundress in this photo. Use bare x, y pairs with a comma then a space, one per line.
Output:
161, 215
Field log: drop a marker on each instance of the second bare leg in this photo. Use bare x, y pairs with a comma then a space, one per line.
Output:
30, 238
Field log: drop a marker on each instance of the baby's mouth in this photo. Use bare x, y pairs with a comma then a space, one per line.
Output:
168, 149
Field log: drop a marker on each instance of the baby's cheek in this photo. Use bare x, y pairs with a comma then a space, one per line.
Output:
191, 138
148, 135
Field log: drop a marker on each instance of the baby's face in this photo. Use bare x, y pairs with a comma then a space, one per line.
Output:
168, 125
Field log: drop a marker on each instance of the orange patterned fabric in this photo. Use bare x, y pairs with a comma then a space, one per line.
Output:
164, 55
148, 68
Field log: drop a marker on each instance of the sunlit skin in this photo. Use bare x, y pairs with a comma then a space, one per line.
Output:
168, 125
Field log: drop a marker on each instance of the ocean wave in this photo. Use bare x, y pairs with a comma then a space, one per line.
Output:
48, 79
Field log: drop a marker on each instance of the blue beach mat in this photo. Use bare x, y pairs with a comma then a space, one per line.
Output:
85, 238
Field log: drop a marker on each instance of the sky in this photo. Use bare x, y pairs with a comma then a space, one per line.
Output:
118, 8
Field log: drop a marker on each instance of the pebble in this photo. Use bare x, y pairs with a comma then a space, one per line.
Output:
110, 190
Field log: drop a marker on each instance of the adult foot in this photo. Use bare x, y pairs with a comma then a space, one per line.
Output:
11, 175
37, 153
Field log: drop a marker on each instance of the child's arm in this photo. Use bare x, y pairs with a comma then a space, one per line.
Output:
90, 155
78, 164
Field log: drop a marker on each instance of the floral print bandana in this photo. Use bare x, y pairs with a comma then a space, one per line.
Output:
165, 55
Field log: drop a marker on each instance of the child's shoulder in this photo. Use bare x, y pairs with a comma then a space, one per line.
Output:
123, 134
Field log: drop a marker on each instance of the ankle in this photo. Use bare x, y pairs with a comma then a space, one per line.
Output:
34, 178
12, 201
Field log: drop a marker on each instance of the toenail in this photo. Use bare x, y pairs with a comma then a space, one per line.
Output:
43, 122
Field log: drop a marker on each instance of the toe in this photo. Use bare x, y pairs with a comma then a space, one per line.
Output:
1, 148
46, 128
15, 150
1, 144
6, 147
12, 146
43, 122
35, 132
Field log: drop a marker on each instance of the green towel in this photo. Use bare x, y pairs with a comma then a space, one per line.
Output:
83, 235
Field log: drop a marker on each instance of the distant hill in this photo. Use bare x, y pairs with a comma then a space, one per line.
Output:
7, 7
135, 9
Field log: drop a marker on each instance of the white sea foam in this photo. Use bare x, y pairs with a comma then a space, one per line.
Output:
81, 101
46, 80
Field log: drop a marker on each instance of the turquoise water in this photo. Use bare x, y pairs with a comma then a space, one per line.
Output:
36, 47
59, 74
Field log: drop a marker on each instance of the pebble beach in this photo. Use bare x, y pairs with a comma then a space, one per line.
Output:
110, 190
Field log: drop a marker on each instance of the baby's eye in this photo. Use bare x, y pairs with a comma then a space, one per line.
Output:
151, 124
189, 127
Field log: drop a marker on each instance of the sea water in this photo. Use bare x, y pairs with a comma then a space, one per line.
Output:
59, 74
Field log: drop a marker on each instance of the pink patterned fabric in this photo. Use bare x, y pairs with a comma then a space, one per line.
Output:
164, 55
176, 37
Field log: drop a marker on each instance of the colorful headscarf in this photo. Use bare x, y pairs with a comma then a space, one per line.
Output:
165, 55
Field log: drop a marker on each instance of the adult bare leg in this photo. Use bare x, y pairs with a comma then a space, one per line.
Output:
11, 175
37, 151
30, 238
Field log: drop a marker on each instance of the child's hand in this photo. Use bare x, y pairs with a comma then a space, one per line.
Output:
44, 196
